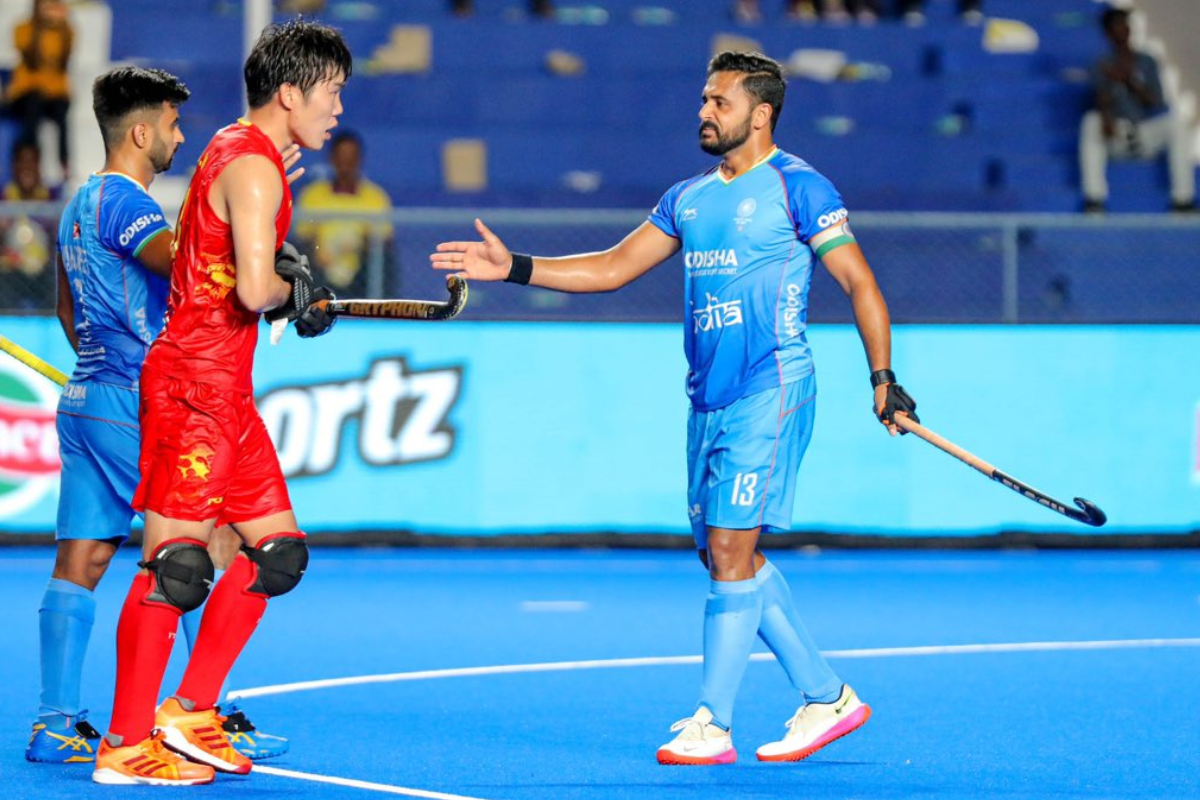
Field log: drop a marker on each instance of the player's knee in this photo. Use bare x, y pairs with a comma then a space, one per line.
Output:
279, 560
181, 572
83, 561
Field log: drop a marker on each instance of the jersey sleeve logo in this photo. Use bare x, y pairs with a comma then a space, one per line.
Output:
139, 224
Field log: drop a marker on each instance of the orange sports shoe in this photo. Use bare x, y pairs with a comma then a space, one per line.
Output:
199, 736
147, 762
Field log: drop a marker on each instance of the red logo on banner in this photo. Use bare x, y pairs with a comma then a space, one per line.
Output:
28, 441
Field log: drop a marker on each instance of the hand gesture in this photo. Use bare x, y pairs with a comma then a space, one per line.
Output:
488, 260
290, 155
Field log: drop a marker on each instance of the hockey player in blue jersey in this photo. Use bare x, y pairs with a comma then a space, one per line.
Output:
114, 261
750, 229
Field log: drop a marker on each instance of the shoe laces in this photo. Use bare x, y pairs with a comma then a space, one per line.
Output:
694, 729
686, 725
157, 748
796, 723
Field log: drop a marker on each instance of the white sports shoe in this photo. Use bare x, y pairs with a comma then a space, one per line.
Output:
817, 724
699, 743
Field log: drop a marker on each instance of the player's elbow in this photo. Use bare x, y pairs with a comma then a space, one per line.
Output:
257, 298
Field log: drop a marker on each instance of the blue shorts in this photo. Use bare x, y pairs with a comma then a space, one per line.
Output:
743, 460
98, 442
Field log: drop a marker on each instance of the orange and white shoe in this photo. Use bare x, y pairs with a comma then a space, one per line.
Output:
199, 736
700, 742
148, 762
815, 725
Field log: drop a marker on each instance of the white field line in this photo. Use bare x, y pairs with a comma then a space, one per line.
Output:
386, 788
659, 661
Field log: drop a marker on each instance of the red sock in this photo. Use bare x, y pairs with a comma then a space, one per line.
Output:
145, 634
231, 616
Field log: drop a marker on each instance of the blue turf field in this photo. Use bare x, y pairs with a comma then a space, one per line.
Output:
1117, 722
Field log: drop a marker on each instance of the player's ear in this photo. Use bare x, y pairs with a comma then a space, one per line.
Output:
141, 134
762, 115
289, 96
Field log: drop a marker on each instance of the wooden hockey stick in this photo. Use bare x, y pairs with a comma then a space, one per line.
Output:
1089, 515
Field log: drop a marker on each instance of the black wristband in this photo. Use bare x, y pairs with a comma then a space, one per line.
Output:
521, 270
882, 376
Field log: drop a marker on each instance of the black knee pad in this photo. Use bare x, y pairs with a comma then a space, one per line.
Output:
281, 559
182, 573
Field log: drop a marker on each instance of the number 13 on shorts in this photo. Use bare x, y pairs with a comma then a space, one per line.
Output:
744, 484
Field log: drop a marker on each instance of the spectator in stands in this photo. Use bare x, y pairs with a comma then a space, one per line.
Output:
39, 89
913, 11
865, 11
26, 175
537, 8
341, 247
1131, 120
26, 275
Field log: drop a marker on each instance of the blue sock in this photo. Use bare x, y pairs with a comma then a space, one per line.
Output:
783, 632
731, 618
65, 625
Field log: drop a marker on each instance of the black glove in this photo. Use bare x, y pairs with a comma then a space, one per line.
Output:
898, 400
316, 319
293, 268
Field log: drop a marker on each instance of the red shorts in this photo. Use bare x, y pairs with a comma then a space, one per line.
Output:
205, 454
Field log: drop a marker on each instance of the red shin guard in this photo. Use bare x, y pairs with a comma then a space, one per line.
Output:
145, 634
232, 613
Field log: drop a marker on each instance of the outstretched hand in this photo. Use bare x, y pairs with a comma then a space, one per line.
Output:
488, 260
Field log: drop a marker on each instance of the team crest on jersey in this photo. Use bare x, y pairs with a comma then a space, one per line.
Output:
221, 280
745, 212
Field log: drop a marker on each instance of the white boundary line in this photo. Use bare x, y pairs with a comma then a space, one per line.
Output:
374, 787
658, 661
653, 661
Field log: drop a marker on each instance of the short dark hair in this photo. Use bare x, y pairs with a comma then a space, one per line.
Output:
1112, 16
122, 91
299, 52
21, 145
346, 136
764, 79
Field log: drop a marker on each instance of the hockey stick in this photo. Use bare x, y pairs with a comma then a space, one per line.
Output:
405, 309
33, 362
1089, 515
429, 310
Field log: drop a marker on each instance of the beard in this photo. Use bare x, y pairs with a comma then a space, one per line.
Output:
723, 144
161, 156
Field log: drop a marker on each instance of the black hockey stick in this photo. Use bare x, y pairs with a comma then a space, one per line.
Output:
1089, 513
405, 309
